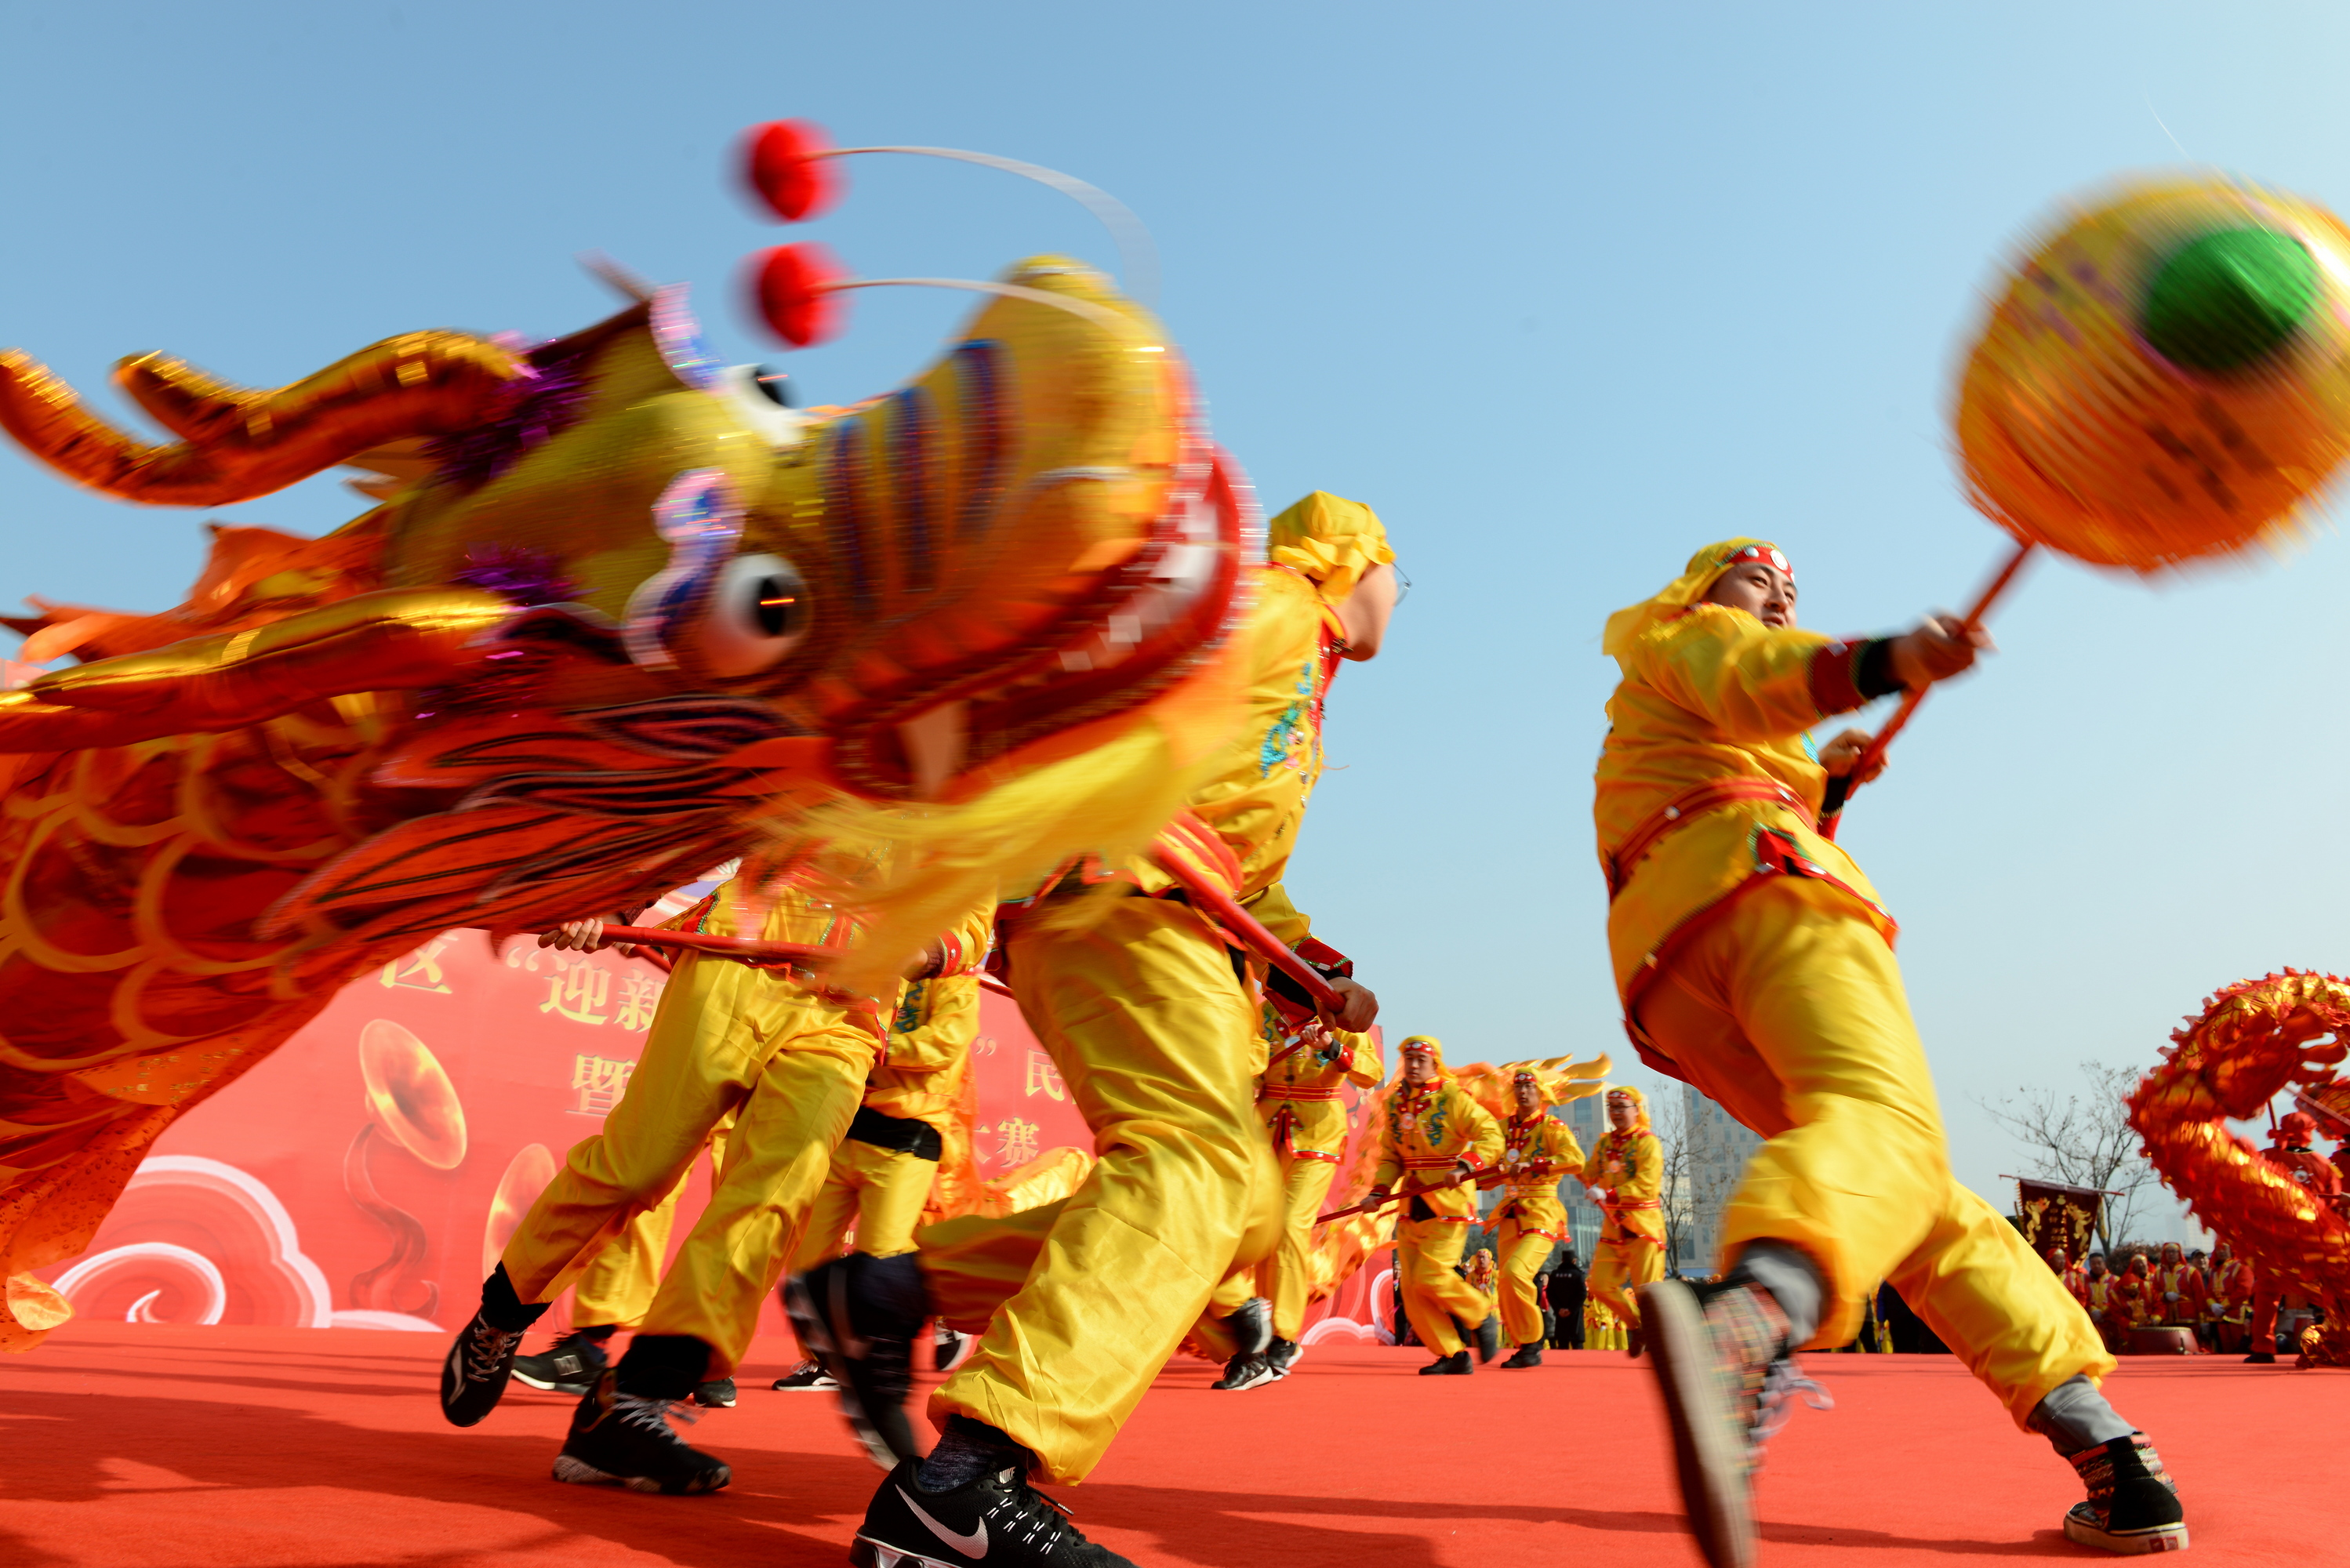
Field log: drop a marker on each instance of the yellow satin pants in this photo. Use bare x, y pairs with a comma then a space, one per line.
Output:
619, 1285
1427, 1252
1789, 1011
1080, 1303
1285, 1278
791, 1067
1619, 1266
881, 1190
1523, 1251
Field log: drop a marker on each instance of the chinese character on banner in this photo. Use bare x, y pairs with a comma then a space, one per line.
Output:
639, 995
1043, 1079
1019, 1142
578, 990
600, 1080
420, 971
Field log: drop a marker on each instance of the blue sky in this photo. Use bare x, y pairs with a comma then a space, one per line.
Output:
1561, 291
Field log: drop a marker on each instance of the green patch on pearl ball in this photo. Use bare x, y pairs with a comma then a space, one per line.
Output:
2229, 299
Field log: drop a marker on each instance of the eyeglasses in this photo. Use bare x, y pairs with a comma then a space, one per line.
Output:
1403, 586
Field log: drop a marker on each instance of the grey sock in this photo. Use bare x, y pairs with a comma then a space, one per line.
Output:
2075, 1416
1793, 1279
967, 1450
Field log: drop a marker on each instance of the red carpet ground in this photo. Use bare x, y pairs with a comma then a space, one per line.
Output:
303, 1448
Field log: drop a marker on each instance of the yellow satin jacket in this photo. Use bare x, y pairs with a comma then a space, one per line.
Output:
1426, 1132
1297, 1095
929, 1050
1712, 697
1537, 1152
1257, 791
1629, 1168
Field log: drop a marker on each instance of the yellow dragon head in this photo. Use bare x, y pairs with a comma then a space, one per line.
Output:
620, 614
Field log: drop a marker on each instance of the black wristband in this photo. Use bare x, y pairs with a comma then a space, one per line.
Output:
1872, 670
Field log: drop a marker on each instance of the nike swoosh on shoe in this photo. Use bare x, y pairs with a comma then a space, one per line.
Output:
973, 1545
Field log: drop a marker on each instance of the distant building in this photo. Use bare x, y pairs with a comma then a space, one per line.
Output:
1719, 1148
1589, 1120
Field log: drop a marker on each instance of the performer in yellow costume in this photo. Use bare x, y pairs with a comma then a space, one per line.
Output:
1434, 1134
613, 1294
1626, 1175
883, 1171
1538, 1152
1754, 961
1143, 1006
1298, 1096
788, 1059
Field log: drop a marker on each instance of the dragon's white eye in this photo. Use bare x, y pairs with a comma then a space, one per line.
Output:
758, 612
762, 395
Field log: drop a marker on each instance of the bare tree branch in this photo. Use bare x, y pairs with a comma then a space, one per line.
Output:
1669, 1120
2082, 1141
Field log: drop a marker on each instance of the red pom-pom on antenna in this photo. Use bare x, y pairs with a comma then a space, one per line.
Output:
793, 286
785, 165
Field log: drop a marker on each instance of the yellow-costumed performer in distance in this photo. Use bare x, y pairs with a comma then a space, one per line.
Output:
1755, 962
1538, 1152
1434, 1138
1298, 1096
787, 1057
1142, 1004
1626, 1177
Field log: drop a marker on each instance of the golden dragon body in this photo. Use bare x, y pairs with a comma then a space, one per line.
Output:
2252, 1040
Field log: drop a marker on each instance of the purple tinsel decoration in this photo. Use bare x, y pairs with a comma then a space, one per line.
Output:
524, 576
547, 402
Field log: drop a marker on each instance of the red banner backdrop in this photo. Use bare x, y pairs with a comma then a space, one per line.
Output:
368, 1174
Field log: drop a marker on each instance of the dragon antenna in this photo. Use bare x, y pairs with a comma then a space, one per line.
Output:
630, 285
785, 166
797, 288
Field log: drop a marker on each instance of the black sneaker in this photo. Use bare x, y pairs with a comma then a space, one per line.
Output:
2133, 1505
1489, 1339
620, 1439
474, 1374
998, 1519
1250, 1325
950, 1349
1282, 1354
570, 1366
1636, 1340
718, 1393
867, 1347
1245, 1372
2261, 1358
1453, 1365
1527, 1356
808, 1377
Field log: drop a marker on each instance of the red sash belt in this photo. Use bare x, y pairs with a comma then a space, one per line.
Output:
1294, 1092
1691, 802
1613, 1206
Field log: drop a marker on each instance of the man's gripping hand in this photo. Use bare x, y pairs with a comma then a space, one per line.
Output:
1941, 647
1359, 1007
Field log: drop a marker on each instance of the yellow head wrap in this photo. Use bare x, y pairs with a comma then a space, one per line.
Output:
1639, 1104
1514, 1071
1330, 541
1434, 1047
1697, 580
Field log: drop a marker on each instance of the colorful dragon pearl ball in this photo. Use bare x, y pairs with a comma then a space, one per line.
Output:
2167, 377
